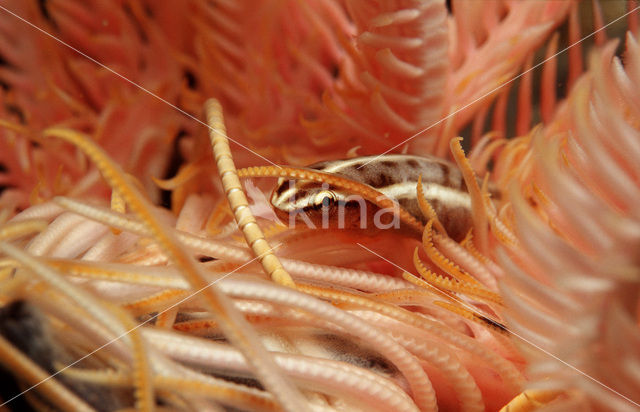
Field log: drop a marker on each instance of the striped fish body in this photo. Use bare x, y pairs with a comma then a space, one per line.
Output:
396, 176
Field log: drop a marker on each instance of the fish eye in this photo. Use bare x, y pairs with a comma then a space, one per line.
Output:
324, 199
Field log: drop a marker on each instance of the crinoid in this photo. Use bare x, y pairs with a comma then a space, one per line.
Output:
139, 268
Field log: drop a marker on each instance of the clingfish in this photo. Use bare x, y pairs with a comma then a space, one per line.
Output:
396, 176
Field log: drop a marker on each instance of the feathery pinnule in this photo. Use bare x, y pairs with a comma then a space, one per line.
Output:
546, 275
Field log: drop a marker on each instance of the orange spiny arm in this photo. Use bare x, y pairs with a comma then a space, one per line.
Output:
427, 209
142, 376
480, 224
234, 326
442, 262
453, 285
474, 317
237, 199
